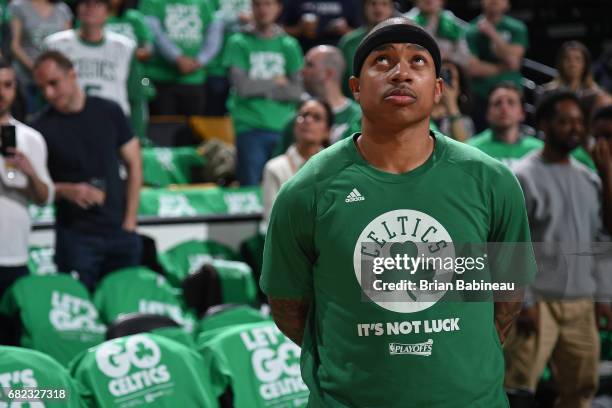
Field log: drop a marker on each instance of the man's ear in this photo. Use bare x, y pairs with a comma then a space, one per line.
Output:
438, 90
354, 86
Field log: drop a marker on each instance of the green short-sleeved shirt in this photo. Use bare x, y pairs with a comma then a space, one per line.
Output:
140, 290
228, 11
185, 23
132, 25
513, 31
262, 59
348, 45
330, 220
21, 368
259, 362
505, 152
143, 370
57, 316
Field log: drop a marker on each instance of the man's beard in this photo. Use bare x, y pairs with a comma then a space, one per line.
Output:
564, 146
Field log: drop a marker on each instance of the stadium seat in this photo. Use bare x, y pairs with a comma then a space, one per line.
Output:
226, 316
258, 363
170, 131
140, 290
23, 368
143, 370
163, 166
187, 257
55, 314
213, 127
40, 260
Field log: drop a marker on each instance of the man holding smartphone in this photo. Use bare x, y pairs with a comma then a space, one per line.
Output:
89, 142
24, 178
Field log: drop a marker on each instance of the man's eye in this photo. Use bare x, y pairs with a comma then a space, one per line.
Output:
418, 59
382, 59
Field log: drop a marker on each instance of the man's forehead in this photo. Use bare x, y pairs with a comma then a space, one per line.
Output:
388, 46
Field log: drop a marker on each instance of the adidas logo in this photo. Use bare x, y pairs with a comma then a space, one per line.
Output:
354, 196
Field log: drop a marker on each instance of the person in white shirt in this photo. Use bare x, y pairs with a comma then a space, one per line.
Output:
105, 61
24, 178
312, 128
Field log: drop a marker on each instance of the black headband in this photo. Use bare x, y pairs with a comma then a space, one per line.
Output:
396, 33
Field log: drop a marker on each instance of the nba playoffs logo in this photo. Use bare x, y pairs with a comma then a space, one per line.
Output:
391, 260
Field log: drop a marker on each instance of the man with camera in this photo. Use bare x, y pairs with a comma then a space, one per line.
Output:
24, 178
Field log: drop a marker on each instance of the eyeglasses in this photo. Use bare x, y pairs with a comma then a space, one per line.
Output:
301, 116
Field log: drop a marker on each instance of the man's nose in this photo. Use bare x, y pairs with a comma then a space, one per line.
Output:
402, 72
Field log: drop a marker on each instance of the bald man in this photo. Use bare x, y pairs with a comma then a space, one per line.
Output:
323, 72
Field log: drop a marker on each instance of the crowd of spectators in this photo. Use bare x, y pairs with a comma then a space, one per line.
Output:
87, 75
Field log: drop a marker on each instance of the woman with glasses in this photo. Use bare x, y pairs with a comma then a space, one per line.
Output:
311, 127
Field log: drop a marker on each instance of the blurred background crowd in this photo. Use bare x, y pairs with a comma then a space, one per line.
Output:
203, 100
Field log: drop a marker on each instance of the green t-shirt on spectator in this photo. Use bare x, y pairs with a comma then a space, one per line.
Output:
57, 316
505, 152
143, 370
234, 316
337, 215
22, 368
140, 290
262, 59
228, 11
185, 23
513, 31
259, 362
348, 45
189, 256
132, 25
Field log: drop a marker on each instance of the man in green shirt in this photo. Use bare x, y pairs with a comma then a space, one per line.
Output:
450, 36
374, 11
264, 65
503, 140
235, 15
497, 39
394, 188
323, 71
186, 38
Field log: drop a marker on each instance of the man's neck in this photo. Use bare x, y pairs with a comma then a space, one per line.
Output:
552, 155
91, 34
508, 135
265, 31
397, 150
307, 150
77, 103
5, 118
493, 18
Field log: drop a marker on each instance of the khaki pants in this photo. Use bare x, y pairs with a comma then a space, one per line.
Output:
569, 339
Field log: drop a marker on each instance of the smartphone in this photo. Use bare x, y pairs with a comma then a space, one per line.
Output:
446, 75
7, 139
